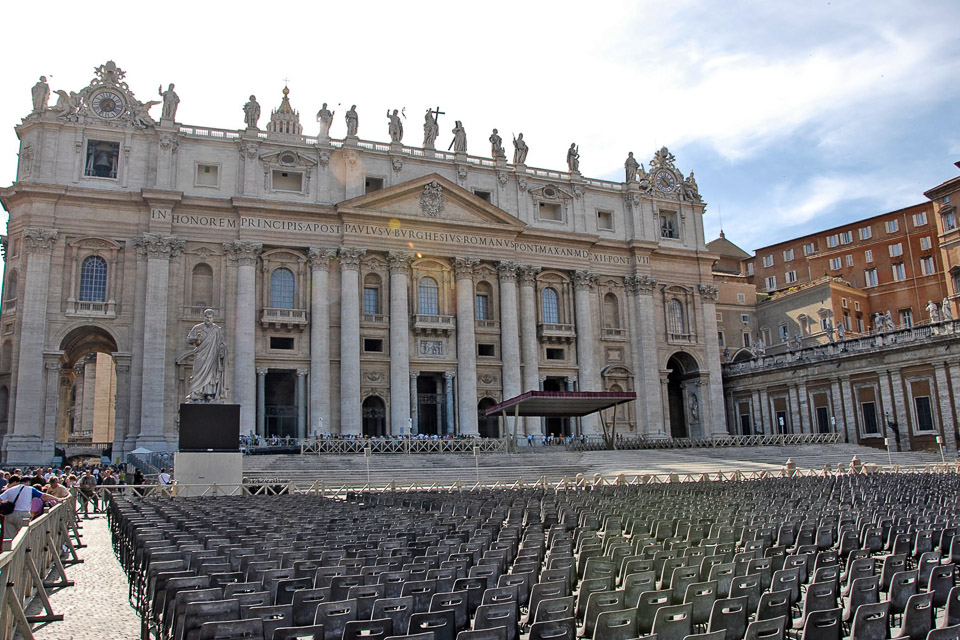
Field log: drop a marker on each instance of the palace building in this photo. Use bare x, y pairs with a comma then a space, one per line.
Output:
364, 288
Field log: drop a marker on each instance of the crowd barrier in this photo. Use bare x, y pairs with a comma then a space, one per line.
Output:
404, 445
757, 440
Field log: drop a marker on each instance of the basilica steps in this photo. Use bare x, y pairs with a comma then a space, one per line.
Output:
555, 463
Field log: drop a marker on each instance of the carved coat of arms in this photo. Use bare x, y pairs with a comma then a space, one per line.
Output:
431, 200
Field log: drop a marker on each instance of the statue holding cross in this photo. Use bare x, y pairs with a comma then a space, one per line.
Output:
430, 127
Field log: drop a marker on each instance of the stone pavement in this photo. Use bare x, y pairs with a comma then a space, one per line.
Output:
96, 607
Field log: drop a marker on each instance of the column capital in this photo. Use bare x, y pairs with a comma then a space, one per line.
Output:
449, 375
584, 280
399, 261
465, 267
507, 271
245, 254
302, 373
528, 274
414, 375
640, 284
53, 366
708, 292
262, 371
350, 257
155, 245
320, 258
38, 240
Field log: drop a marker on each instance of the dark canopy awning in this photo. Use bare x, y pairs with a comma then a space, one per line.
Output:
556, 404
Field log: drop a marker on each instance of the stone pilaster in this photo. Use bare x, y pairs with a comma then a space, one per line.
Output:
245, 256
136, 364
159, 251
23, 440
320, 339
952, 371
261, 399
466, 346
793, 425
414, 425
400, 406
121, 424
803, 397
901, 405
651, 400
767, 425
302, 402
850, 432
839, 410
584, 283
509, 335
756, 419
51, 396
448, 377
529, 345
350, 401
714, 416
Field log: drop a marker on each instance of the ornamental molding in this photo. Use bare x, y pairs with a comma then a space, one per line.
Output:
154, 245
320, 258
640, 284
507, 271
528, 274
708, 292
465, 267
39, 240
245, 254
399, 261
432, 200
350, 257
583, 279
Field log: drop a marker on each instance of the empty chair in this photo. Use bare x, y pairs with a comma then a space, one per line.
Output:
821, 596
588, 588
862, 591
475, 588
748, 586
522, 581
195, 614
925, 565
422, 592
952, 616
891, 564
730, 615
334, 617
870, 621
917, 618
493, 633
903, 585
272, 617
598, 602
769, 629
823, 625
636, 583
365, 595
231, 630
555, 609
565, 629
788, 579
857, 568
442, 623
305, 603
616, 625
456, 602
182, 599
723, 574
701, 595
774, 604
648, 605
940, 582
398, 610
378, 629
285, 588
945, 633
311, 632
673, 622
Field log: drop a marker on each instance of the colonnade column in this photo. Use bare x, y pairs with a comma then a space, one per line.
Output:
714, 418
52, 397
529, 346
766, 412
448, 398
583, 302
414, 424
842, 412
245, 254
160, 250
757, 419
802, 396
654, 400
302, 402
948, 429
901, 405
320, 339
466, 346
400, 401
509, 335
261, 399
793, 399
350, 401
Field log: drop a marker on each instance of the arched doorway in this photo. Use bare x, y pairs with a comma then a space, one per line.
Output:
374, 417
86, 406
489, 426
683, 396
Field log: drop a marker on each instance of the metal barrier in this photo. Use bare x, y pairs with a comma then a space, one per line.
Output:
34, 555
404, 445
758, 440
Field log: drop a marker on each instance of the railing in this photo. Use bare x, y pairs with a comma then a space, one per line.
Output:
431, 323
89, 308
375, 318
488, 324
34, 554
196, 313
611, 332
404, 445
550, 330
273, 315
758, 440
151, 463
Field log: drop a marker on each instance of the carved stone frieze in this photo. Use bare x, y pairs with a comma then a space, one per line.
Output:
39, 240
640, 284
431, 200
397, 164
708, 291
243, 253
502, 178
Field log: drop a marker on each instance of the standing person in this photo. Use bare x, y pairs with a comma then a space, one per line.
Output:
21, 495
138, 481
164, 478
87, 491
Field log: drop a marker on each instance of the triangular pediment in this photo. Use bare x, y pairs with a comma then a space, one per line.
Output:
432, 198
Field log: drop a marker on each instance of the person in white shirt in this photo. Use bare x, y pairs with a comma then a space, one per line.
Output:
22, 496
164, 478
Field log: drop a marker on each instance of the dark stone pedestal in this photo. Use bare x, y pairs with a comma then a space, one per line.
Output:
209, 427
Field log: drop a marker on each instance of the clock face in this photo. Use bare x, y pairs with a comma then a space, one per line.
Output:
665, 180
107, 104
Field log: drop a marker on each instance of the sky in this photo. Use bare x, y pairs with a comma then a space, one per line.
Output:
794, 116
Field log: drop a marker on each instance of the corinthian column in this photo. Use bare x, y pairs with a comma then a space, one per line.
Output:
509, 333
647, 375
529, 346
350, 404
466, 346
399, 342
320, 339
583, 300
715, 427
159, 250
245, 255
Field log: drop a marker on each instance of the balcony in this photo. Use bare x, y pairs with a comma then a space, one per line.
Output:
91, 309
433, 325
613, 333
283, 318
556, 333
488, 326
375, 320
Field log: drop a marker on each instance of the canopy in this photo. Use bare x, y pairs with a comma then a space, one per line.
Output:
555, 404
140, 451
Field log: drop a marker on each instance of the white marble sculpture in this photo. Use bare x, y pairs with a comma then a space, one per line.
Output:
945, 313
459, 142
209, 355
631, 165
520, 150
251, 112
41, 95
934, 311
496, 146
353, 121
170, 102
573, 158
325, 118
395, 128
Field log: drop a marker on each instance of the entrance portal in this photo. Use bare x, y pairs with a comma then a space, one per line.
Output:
489, 426
556, 426
683, 397
374, 417
86, 406
431, 410
280, 410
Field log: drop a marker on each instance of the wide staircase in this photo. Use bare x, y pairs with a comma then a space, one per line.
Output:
555, 463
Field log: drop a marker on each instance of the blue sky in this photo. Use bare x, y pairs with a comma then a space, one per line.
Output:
795, 116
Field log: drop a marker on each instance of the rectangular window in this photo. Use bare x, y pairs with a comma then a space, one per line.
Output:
749, 268
555, 354
668, 225
746, 339
371, 300
846, 237
892, 226
809, 248
920, 219
843, 302
371, 184
788, 255
771, 283
483, 306
372, 345
856, 305
287, 181
870, 278
741, 297
899, 272
720, 338
208, 175
949, 221
927, 267
866, 233
869, 412
896, 250
836, 263
868, 255
279, 342
833, 241
550, 211
483, 195
784, 333
790, 276
906, 317
485, 350
768, 261
745, 318
103, 157
925, 243
924, 413
849, 258
605, 220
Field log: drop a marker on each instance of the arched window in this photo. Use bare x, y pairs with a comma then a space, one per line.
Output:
371, 294
202, 285
281, 289
550, 306
483, 304
678, 324
428, 296
611, 311
11, 286
93, 280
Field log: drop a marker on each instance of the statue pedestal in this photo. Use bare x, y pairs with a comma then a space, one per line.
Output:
208, 474
209, 427
351, 141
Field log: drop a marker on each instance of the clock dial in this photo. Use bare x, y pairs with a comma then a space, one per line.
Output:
107, 104
665, 180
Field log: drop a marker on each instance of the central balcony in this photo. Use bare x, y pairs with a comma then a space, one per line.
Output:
283, 318
556, 333
433, 325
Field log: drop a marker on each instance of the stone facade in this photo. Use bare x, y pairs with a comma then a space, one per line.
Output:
364, 287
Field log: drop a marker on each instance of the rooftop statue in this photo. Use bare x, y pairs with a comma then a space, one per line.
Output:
395, 129
170, 102
496, 146
573, 158
325, 118
631, 165
520, 150
41, 95
353, 121
459, 142
251, 112
430, 127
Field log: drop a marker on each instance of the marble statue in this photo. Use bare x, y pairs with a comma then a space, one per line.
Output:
251, 112
643, 179
325, 118
798, 341
691, 191
878, 322
395, 128
496, 146
353, 121
830, 330
888, 321
933, 310
760, 348
573, 158
945, 313
209, 355
430, 128
631, 165
694, 408
41, 95
841, 332
67, 104
140, 114
170, 102
459, 142
520, 150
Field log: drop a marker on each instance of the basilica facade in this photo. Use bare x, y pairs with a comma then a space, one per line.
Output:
364, 288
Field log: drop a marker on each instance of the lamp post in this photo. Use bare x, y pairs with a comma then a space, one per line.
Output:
943, 458
886, 443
